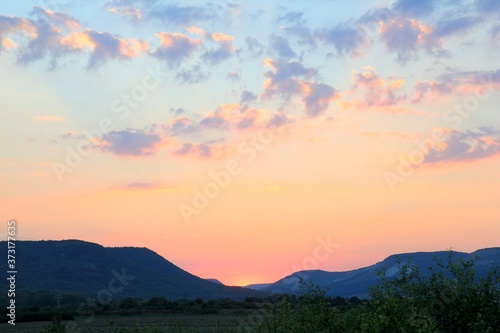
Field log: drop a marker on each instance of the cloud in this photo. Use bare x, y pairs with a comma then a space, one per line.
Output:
346, 40
141, 186
278, 120
177, 111
106, 46
295, 26
279, 46
233, 116
133, 14
406, 37
468, 80
54, 35
219, 118
234, 75
317, 97
168, 13
460, 25
196, 31
462, 146
254, 47
202, 150
280, 80
59, 19
414, 8
180, 125
292, 18
51, 118
175, 47
192, 76
248, 96
487, 6
283, 81
179, 15
378, 91
47, 41
130, 142
376, 15
213, 121
457, 82
222, 52
435, 88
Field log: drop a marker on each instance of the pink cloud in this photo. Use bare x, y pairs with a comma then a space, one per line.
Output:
55, 34
287, 79
406, 37
51, 118
130, 143
377, 91
175, 47
464, 146
224, 50
202, 150
141, 186
457, 82
128, 12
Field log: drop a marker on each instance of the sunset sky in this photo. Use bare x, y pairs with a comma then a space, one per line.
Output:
245, 140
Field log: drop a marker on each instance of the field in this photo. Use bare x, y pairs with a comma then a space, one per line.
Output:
222, 322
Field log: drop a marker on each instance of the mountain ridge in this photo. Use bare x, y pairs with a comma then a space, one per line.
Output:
85, 267
89, 268
356, 282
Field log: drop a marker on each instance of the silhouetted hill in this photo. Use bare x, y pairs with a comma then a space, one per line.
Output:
82, 267
215, 281
258, 286
357, 282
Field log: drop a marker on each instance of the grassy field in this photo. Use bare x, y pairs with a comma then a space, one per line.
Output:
222, 322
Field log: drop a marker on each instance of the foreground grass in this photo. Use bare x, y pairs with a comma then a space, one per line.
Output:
178, 323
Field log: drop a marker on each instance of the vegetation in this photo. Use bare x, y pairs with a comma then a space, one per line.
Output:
451, 299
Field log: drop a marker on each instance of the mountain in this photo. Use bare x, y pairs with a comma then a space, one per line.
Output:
258, 286
76, 266
356, 282
215, 281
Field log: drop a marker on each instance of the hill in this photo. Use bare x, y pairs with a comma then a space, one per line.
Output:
357, 282
76, 266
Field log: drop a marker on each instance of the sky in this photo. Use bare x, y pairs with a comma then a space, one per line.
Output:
246, 140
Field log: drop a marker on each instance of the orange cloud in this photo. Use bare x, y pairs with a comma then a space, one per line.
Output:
78, 40
127, 12
133, 47
13, 24
234, 116
221, 37
396, 84
196, 31
8, 44
378, 91
50, 118
63, 19
169, 40
203, 150
175, 46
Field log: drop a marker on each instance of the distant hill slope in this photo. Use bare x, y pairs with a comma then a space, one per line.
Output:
357, 282
82, 267
215, 281
258, 286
